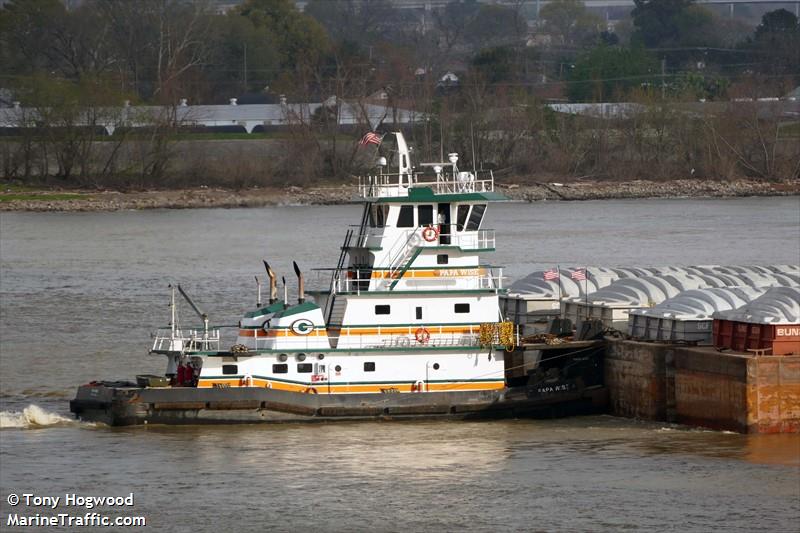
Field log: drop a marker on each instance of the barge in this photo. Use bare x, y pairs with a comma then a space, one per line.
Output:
408, 326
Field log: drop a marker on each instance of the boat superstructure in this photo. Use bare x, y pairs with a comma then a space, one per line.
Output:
405, 305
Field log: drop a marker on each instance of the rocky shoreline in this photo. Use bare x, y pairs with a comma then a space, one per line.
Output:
87, 200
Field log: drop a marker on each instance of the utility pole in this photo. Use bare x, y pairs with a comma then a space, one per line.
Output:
244, 67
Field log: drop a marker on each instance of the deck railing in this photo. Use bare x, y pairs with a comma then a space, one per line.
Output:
185, 340
397, 185
478, 278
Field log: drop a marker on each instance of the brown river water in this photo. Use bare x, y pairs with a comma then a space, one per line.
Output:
80, 293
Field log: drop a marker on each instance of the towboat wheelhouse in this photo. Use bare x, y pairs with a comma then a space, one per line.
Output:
409, 306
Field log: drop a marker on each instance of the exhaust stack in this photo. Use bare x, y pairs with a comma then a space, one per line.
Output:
273, 284
301, 286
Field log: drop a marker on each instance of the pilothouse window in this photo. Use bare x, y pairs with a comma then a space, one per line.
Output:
425, 215
405, 219
377, 215
475, 217
461, 218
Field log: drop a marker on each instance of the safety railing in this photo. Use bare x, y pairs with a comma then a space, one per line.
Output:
397, 185
475, 278
185, 341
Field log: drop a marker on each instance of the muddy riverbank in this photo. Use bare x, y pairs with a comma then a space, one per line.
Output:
104, 200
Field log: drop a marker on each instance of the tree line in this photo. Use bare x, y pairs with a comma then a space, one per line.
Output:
73, 67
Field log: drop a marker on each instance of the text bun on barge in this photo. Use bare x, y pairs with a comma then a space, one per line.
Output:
409, 326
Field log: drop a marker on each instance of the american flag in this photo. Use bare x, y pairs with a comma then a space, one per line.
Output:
551, 274
370, 138
579, 275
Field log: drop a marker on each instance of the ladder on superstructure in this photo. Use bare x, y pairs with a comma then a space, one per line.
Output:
336, 275
400, 263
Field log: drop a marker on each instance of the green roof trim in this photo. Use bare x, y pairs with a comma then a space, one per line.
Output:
272, 308
426, 194
297, 309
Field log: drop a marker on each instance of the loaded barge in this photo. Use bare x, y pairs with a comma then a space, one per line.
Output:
408, 326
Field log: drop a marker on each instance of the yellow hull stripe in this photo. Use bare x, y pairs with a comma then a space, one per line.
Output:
324, 388
437, 273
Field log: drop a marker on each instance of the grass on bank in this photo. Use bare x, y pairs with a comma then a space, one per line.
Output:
4, 198
12, 192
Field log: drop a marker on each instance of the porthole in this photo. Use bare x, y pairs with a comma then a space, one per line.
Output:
338, 368
321, 356
301, 357
436, 366
283, 357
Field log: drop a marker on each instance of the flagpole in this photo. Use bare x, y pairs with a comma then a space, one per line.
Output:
558, 268
586, 290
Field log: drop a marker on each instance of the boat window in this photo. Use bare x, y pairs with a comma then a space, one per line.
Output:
405, 219
338, 368
462, 308
304, 368
436, 366
442, 259
320, 368
383, 309
377, 215
230, 369
461, 217
419, 313
281, 368
425, 215
475, 217
369, 367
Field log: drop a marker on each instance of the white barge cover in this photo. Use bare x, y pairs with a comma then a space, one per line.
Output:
701, 304
779, 305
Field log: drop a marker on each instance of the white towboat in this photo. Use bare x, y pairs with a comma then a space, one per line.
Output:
410, 323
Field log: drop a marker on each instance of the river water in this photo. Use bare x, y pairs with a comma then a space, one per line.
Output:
82, 291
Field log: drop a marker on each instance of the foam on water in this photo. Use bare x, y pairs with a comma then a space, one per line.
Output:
31, 417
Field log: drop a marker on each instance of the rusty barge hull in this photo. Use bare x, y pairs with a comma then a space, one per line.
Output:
126, 406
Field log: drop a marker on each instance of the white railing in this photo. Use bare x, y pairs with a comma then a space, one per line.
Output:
474, 240
397, 185
475, 278
185, 341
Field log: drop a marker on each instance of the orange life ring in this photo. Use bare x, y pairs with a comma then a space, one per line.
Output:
311, 390
430, 233
422, 335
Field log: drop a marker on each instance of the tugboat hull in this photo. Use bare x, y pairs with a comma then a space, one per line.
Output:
125, 404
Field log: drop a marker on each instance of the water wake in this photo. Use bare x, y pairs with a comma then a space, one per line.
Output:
31, 417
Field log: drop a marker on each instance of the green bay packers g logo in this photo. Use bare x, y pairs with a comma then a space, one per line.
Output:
302, 326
